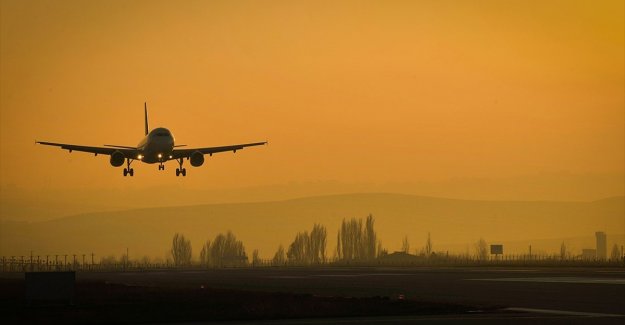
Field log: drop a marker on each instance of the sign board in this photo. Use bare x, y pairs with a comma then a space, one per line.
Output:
496, 249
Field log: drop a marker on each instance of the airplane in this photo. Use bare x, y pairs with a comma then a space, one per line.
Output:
158, 146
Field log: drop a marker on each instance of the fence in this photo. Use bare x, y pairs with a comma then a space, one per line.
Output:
61, 263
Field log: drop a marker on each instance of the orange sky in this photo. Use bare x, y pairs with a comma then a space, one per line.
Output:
354, 91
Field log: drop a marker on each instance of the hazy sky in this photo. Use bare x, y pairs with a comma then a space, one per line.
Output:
353, 91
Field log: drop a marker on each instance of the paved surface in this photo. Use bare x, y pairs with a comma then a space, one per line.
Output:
521, 295
585, 291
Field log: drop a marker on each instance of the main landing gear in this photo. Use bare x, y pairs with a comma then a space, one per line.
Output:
161, 167
128, 170
181, 170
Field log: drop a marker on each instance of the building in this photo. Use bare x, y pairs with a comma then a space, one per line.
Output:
602, 245
589, 254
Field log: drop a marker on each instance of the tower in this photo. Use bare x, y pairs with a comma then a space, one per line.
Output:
602, 246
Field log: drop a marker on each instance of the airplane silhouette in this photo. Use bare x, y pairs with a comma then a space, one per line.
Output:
156, 147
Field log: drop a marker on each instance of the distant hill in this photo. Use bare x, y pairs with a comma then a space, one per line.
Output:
453, 224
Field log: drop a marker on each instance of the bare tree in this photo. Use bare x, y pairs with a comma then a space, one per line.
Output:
298, 252
349, 237
145, 260
255, 258
181, 250
354, 243
308, 248
370, 239
205, 253
616, 253
428, 246
317, 245
481, 249
405, 245
562, 251
226, 250
280, 257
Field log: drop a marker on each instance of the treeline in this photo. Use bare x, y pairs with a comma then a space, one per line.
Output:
224, 250
357, 240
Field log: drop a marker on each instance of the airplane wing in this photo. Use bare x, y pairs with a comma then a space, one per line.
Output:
128, 152
186, 153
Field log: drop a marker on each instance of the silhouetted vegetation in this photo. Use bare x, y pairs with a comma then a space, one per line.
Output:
405, 245
225, 250
280, 257
308, 248
616, 253
256, 258
481, 250
356, 243
428, 246
181, 250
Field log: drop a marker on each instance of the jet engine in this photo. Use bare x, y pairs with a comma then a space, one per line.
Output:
197, 159
117, 158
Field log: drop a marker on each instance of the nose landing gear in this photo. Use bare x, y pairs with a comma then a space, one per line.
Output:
128, 170
181, 170
161, 167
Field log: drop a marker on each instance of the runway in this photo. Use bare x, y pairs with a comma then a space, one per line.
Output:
566, 290
336, 295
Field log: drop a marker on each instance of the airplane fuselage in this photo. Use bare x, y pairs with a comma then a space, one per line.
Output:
156, 147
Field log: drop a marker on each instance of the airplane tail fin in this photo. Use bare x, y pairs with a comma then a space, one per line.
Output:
145, 106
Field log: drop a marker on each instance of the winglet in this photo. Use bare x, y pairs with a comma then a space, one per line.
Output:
145, 106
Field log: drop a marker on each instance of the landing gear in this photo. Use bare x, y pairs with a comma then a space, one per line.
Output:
161, 167
128, 170
181, 170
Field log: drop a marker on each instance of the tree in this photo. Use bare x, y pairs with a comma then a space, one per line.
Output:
428, 246
299, 249
405, 245
255, 258
317, 245
280, 257
181, 250
205, 253
370, 239
108, 260
225, 250
308, 248
616, 253
481, 250
562, 251
356, 243
349, 239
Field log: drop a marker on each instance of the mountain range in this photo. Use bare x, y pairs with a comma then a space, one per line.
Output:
454, 225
